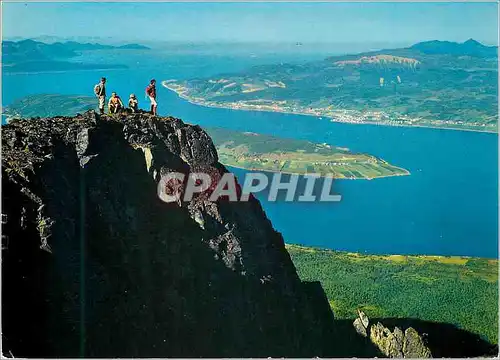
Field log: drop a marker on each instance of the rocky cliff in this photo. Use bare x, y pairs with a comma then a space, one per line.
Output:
95, 264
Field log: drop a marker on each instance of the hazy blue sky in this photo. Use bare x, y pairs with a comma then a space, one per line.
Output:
313, 22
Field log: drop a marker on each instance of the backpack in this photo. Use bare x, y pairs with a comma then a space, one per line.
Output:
98, 90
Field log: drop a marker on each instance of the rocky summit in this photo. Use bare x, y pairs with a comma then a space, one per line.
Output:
94, 264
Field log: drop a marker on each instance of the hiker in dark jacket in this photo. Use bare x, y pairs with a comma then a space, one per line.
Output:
151, 93
100, 93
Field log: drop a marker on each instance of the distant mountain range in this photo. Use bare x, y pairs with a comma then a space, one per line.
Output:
48, 39
38, 50
31, 55
470, 47
434, 84
434, 52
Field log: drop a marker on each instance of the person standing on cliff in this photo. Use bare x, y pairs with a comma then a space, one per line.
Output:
100, 93
151, 93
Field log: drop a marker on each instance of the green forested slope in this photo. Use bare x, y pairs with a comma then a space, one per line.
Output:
455, 290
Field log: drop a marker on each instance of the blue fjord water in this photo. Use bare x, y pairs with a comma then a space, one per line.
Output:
447, 206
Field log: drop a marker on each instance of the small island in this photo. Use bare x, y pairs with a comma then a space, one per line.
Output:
244, 150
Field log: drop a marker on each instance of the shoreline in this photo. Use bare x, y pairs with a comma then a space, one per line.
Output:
427, 257
194, 102
322, 176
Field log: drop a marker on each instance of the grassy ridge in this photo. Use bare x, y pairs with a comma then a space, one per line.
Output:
456, 290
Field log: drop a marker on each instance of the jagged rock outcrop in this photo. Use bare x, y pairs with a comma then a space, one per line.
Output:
395, 344
398, 345
361, 323
95, 264
389, 343
414, 346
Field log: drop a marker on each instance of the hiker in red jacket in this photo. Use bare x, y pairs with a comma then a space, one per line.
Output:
151, 93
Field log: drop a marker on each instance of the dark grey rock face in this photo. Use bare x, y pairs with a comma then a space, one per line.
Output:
95, 264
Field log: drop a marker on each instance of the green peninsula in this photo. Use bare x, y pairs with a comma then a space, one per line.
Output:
431, 84
240, 149
253, 151
398, 286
